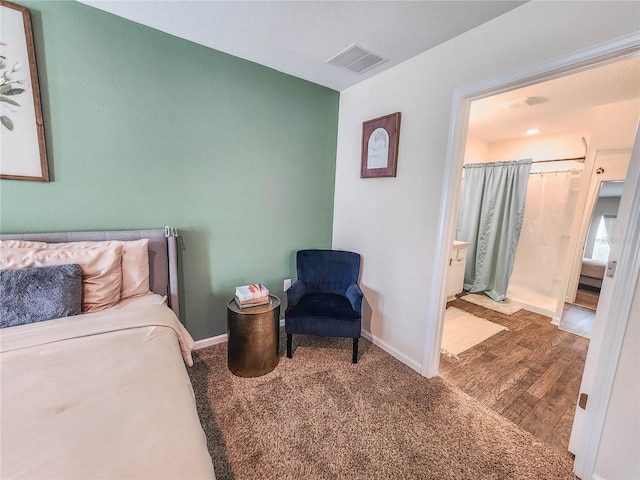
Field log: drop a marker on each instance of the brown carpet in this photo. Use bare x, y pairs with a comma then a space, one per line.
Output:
317, 416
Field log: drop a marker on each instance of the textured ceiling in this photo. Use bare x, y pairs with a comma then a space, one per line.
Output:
566, 103
298, 37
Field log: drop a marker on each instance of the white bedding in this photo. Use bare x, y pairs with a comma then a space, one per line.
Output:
101, 395
593, 268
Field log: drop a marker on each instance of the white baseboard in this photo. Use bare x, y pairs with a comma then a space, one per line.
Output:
207, 342
597, 477
392, 351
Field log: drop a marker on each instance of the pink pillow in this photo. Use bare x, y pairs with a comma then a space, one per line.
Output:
135, 259
101, 270
135, 268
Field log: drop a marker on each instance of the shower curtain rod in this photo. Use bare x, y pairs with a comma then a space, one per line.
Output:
576, 159
554, 172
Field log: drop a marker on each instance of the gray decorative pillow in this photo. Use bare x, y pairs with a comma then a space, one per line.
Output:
36, 294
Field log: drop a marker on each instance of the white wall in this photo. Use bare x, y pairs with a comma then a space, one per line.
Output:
619, 452
476, 151
539, 147
394, 222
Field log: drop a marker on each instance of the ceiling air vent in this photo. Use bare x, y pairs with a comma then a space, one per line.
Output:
522, 103
357, 59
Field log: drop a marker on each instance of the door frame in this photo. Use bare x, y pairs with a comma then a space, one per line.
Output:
613, 50
590, 206
612, 316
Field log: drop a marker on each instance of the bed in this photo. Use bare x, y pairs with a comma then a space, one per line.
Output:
592, 272
103, 393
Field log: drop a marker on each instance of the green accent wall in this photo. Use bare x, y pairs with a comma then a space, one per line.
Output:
144, 130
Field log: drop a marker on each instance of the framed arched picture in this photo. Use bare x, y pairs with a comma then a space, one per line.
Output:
380, 138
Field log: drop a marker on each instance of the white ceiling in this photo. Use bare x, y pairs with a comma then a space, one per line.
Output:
298, 37
568, 104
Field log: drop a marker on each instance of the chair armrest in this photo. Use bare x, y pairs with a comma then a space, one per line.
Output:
295, 292
354, 294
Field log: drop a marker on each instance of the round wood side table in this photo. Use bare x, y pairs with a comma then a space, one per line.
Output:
253, 338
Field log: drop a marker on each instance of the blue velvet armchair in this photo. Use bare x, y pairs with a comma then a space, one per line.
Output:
326, 299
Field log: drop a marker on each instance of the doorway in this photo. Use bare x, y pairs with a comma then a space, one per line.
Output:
602, 202
464, 99
600, 213
563, 125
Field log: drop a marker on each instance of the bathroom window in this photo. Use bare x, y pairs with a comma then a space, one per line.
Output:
601, 246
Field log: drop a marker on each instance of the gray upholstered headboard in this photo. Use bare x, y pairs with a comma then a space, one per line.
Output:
163, 258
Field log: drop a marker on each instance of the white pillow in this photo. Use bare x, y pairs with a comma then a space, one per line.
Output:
135, 259
101, 270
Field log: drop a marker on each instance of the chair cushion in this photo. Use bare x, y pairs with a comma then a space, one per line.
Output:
324, 305
325, 314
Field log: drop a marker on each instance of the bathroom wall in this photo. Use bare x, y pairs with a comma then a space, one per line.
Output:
476, 151
539, 147
611, 126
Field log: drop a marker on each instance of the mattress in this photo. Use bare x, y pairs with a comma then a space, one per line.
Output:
100, 395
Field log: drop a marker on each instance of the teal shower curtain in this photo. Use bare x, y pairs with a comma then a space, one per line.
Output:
490, 219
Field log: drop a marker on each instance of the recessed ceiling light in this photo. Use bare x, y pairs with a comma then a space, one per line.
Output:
532, 131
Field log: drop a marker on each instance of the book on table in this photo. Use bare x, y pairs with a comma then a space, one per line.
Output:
251, 295
252, 303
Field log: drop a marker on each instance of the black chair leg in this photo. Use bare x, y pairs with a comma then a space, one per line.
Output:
289, 339
355, 351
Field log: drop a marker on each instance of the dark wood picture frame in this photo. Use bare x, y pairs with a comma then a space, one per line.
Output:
20, 94
380, 139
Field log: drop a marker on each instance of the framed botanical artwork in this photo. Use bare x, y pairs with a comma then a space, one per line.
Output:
24, 155
380, 138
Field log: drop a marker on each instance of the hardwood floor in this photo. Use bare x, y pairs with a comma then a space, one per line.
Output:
587, 297
530, 374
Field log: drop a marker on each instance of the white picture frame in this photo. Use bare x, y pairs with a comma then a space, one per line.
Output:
23, 154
